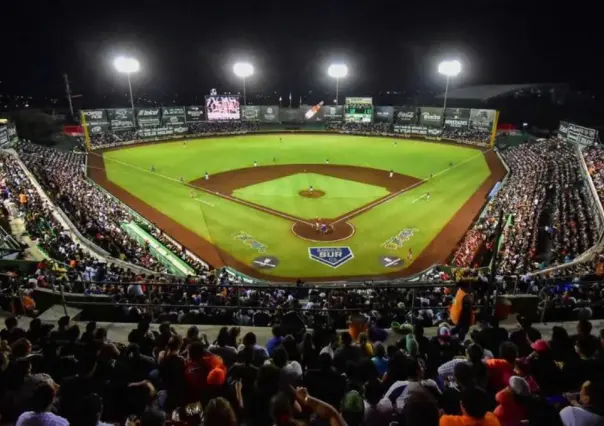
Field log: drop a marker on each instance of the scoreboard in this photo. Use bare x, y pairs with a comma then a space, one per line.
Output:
358, 110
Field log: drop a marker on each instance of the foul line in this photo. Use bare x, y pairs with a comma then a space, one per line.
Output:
227, 197
396, 194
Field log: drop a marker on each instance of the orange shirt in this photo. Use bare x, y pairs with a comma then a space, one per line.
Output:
488, 420
23, 198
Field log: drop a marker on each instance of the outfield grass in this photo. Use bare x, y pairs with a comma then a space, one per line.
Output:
341, 196
219, 220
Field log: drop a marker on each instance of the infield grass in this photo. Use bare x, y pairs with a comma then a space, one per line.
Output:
219, 220
282, 194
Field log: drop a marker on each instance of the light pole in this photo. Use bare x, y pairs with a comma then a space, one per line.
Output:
243, 70
127, 66
337, 71
449, 69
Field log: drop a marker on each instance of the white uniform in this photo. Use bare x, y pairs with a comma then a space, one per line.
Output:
255, 164
207, 176
391, 173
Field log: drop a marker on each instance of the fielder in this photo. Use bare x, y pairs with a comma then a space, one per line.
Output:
327, 161
207, 176
281, 140
427, 196
410, 255
391, 174
153, 168
182, 180
255, 163
311, 189
192, 193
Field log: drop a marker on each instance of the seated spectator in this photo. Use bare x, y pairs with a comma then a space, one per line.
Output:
589, 411
502, 369
41, 405
475, 410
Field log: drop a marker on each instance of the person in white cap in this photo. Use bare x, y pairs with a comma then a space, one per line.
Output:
391, 174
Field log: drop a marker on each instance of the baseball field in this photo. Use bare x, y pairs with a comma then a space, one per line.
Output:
383, 207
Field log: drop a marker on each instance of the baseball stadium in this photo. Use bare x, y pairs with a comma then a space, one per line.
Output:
308, 204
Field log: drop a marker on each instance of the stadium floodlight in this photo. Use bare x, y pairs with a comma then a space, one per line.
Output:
243, 70
449, 69
337, 71
127, 65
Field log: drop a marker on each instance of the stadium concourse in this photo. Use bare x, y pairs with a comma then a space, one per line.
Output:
487, 376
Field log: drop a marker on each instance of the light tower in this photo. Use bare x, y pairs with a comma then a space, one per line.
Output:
127, 65
337, 71
243, 70
449, 69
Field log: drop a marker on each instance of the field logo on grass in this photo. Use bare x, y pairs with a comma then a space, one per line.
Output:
249, 241
400, 239
331, 256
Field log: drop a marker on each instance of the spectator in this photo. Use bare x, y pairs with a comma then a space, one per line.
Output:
41, 404
589, 411
475, 410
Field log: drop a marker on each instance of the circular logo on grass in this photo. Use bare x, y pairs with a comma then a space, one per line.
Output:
391, 261
265, 262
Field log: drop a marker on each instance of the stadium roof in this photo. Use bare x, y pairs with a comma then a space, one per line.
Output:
488, 91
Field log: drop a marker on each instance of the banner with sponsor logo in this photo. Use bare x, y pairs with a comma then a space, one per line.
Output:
431, 117
457, 117
265, 114
358, 110
173, 116
4, 141
581, 135
482, 118
194, 113
312, 112
291, 115
405, 115
95, 116
383, 114
250, 113
333, 113
162, 131
121, 118
410, 129
269, 114
96, 129
148, 117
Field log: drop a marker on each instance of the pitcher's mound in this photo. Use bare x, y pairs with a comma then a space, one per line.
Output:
317, 193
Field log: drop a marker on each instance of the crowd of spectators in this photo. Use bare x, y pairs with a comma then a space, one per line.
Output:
64, 375
467, 135
545, 205
362, 128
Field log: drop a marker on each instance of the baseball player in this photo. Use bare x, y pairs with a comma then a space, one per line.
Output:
327, 161
274, 159
391, 174
318, 224
427, 196
281, 140
207, 176
184, 143
255, 163
311, 189
182, 180
451, 164
410, 255
323, 229
192, 193
153, 168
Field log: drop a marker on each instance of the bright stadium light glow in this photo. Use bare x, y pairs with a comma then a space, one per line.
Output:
337, 71
448, 69
243, 70
126, 65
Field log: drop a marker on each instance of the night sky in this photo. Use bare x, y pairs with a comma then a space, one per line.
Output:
186, 48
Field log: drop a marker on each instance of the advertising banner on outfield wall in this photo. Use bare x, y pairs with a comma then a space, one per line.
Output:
173, 115
383, 114
482, 118
431, 117
405, 115
333, 113
269, 114
194, 113
95, 129
148, 117
291, 115
95, 116
265, 114
162, 131
250, 113
410, 130
457, 117
121, 118
312, 113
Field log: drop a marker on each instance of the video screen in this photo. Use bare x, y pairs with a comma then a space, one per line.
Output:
358, 110
223, 108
